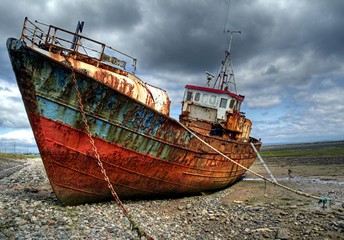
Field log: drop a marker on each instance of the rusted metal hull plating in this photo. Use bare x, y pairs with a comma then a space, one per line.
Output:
145, 152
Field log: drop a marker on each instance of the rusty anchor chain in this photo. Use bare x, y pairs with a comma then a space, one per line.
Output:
134, 225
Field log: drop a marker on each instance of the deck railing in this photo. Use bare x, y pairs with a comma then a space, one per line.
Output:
52, 38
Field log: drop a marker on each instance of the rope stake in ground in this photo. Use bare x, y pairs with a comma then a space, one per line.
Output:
134, 225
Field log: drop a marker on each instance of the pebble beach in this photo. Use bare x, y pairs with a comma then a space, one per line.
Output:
246, 210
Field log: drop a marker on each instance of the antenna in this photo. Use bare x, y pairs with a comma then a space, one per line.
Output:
227, 16
226, 75
209, 77
230, 40
209, 74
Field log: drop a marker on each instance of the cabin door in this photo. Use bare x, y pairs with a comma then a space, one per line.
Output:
221, 114
222, 109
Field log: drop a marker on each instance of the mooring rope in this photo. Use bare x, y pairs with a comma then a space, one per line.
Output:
320, 199
134, 224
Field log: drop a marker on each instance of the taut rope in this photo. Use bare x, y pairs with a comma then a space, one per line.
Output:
320, 199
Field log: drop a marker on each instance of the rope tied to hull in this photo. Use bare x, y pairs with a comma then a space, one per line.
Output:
135, 226
301, 193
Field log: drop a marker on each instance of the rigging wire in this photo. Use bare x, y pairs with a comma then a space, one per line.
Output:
220, 72
227, 16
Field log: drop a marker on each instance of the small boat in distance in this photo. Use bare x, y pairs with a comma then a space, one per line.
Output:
75, 89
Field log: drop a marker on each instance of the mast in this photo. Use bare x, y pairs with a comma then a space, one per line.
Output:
226, 75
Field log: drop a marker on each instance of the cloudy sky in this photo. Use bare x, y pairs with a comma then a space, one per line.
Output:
288, 60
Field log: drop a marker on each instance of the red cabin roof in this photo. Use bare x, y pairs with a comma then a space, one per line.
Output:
213, 90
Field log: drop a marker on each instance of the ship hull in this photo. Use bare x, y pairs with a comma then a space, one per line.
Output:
145, 153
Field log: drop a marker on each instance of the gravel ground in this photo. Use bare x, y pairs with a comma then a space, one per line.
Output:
7, 166
247, 210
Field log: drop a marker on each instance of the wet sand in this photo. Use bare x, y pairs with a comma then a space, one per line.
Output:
321, 176
318, 175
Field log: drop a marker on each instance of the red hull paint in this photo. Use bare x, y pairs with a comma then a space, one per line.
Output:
144, 152
76, 177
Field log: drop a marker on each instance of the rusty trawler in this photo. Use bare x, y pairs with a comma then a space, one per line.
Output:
93, 117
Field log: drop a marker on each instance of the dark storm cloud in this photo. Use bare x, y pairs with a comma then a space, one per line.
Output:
288, 51
99, 16
188, 35
183, 36
301, 40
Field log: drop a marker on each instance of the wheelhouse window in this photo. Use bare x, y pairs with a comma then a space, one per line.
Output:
197, 96
205, 98
238, 106
231, 104
212, 100
188, 96
223, 103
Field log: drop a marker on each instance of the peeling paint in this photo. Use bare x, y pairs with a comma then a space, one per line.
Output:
144, 151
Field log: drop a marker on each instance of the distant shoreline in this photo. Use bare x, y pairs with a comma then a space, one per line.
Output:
273, 145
